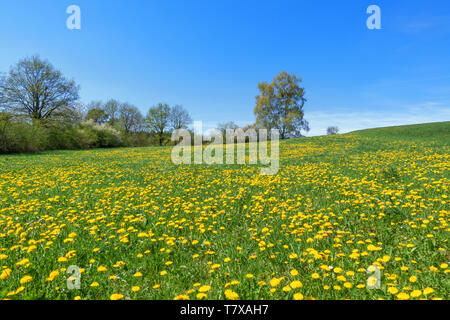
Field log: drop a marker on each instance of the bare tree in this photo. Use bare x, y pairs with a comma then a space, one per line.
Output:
111, 108
223, 126
34, 88
130, 118
179, 118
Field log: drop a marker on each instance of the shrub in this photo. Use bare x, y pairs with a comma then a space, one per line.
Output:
19, 136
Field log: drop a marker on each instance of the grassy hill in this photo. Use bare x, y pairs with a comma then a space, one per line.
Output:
139, 227
438, 132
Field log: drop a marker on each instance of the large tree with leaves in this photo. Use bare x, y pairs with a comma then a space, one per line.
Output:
158, 120
280, 106
34, 88
96, 112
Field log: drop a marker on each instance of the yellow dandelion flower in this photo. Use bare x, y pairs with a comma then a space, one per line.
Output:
428, 291
26, 279
231, 295
298, 296
204, 289
403, 296
416, 293
5, 274
296, 284
392, 290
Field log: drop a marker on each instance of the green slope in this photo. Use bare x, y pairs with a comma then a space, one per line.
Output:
438, 132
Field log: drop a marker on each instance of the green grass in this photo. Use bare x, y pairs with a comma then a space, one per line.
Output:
372, 197
438, 132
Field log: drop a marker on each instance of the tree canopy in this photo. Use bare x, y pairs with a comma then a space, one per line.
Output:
34, 88
130, 118
96, 112
179, 117
280, 105
332, 130
158, 120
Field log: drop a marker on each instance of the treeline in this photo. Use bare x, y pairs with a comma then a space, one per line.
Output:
40, 110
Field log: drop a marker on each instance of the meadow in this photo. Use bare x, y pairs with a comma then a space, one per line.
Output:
140, 227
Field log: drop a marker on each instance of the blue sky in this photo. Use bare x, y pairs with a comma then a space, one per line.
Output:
210, 55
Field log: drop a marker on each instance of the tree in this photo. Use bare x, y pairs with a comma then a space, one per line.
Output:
34, 88
111, 108
158, 120
332, 131
224, 126
179, 118
96, 112
280, 106
299, 124
130, 118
